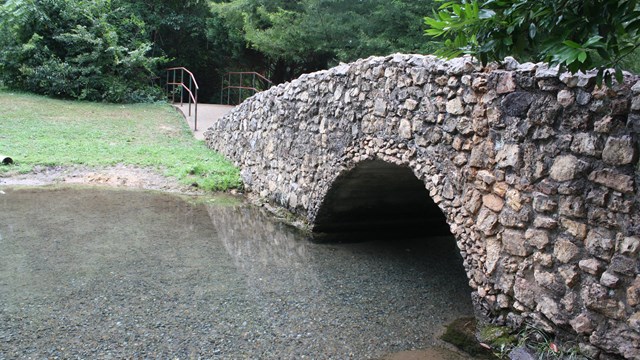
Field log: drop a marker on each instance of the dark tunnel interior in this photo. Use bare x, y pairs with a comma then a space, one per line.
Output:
377, 199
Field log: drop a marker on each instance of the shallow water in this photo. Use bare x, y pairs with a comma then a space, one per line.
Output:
113, 273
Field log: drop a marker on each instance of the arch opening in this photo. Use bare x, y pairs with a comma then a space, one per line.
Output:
377, 199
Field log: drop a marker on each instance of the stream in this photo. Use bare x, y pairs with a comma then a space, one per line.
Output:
110, 273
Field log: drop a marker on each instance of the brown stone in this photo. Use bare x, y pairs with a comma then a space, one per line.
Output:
565, 251
506, 83
570, 274
572, 206
597, 299
493, 202
548, 280
500, 188
525, 292
574, 228
551, 310
543, 259
633, 293
487, 221
610, 179
514, 243
582, 324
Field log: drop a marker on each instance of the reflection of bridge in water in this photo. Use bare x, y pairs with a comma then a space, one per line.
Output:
384, 296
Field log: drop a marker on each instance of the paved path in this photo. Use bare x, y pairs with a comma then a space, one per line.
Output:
207, 114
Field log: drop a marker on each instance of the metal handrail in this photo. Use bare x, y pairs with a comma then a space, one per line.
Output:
242, 75
192, 89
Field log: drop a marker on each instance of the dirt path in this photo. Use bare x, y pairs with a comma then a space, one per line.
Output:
125, 176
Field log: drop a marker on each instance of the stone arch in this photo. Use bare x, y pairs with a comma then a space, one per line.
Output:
375, 198
537, 174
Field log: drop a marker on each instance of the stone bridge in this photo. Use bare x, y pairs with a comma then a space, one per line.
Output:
535, 172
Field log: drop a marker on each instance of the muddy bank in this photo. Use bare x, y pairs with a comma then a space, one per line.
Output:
124, 176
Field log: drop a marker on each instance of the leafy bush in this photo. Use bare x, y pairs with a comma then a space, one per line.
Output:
575, 34
89, 50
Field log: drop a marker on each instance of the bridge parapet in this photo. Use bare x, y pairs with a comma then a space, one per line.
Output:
536, 172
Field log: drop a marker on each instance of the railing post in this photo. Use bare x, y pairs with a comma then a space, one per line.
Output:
240, 90
190, 89
181, 87
173, 88
195, 119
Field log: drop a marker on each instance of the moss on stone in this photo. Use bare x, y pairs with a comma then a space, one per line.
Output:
461, 334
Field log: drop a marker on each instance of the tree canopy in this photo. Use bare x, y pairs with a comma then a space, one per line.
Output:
575, 34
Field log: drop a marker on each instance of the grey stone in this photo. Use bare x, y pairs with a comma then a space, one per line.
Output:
591, 266
600, 243
619, 150
522, 353
566, 98
514, 243
455, 106
564, 168
586, 144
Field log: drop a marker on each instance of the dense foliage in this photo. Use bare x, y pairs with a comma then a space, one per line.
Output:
576, 34
102, 49
297, 36
93, 50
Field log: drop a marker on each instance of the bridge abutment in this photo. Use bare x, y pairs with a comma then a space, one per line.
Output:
535, 172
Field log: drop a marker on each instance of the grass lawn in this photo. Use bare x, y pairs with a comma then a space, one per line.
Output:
36, 130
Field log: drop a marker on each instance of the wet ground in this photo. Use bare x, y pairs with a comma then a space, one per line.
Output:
110, 273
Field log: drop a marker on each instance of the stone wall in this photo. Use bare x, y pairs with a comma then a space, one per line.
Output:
536, 172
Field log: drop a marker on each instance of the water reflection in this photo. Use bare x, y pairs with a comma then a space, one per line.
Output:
367, 297
103, 273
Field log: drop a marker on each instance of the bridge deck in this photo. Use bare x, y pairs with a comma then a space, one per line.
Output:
207, 115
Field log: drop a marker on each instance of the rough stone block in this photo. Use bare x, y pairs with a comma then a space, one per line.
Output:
619, 150
629, 246
613, 180
514, 243
493, 202
565, 251
599, 243
543, 203
582, 324
591, 266
537, 238
574, 228
564, 168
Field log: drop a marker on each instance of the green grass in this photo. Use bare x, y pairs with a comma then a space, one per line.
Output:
36, 130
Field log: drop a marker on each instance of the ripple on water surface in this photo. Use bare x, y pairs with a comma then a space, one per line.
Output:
114, 273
